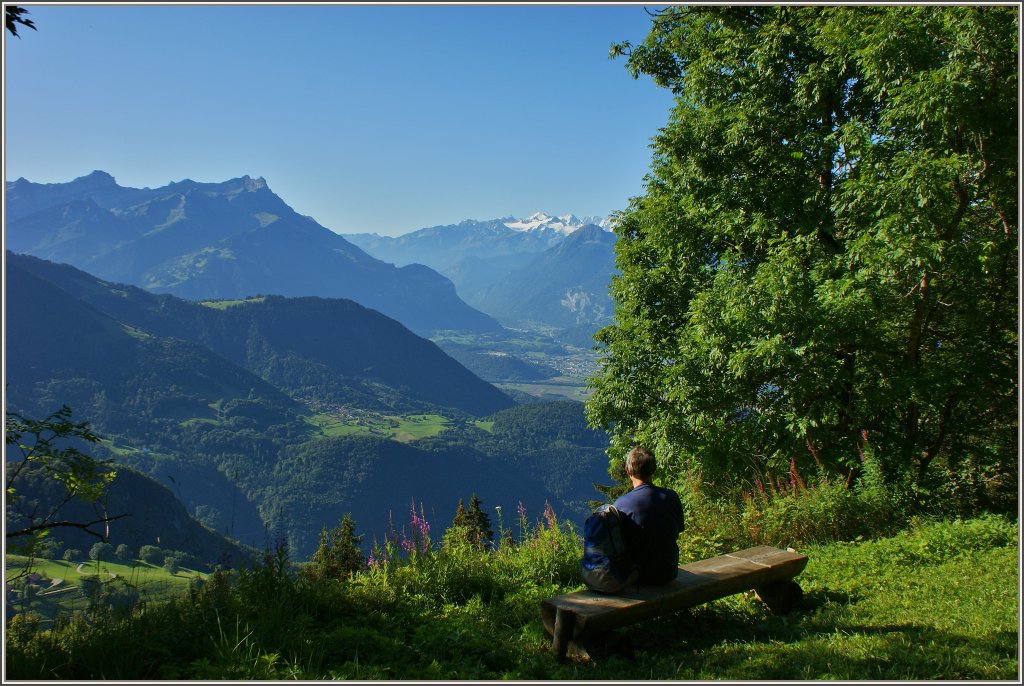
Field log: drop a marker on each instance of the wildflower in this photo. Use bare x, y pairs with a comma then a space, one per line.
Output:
549, 515
860, 445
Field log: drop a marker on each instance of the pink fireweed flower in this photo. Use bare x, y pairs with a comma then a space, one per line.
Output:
420, 530
549, 515
860, 445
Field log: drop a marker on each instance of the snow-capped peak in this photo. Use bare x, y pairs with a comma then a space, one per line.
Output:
564, 224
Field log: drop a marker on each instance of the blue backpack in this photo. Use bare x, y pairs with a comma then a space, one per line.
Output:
606, 566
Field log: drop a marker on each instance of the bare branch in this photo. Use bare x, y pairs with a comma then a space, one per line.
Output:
77, 525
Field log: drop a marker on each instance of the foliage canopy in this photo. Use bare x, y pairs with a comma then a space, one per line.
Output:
824, 260
49, 446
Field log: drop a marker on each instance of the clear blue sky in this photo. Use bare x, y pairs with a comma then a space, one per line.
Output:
382, 118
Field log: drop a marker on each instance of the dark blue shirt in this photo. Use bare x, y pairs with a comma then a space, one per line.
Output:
653, 522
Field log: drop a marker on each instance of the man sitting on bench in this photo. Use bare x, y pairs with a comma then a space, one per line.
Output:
653, 521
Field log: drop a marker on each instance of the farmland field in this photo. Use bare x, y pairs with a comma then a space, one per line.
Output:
558, 388
50, 587
344, 422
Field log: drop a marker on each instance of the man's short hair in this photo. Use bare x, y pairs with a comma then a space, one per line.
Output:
640, 463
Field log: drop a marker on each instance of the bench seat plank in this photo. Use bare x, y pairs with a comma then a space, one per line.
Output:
697, 583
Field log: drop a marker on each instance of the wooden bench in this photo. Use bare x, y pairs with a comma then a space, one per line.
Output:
574, 619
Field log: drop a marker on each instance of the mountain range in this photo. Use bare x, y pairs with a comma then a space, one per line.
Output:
220, 240
235, 239
564, 287
542, 273
443, 247
223, 399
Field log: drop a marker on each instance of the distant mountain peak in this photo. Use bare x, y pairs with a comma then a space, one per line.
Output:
565, 224
231, 187
250, 184
98, 178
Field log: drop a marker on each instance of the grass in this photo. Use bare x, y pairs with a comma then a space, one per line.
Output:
400, 428
870, 612
414, 427
558, 388
225, 304
59, 589
938, 601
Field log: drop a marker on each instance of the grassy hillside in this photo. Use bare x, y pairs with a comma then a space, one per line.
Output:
937, 601
48, 588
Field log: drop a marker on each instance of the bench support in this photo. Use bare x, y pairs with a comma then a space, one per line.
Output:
575, 619
780, 596
564, 621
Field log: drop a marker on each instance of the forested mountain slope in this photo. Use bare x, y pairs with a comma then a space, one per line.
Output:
144, 512
324, 350
219, 400
565, 287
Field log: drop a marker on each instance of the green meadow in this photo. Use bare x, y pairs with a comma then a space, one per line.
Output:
59, 590
397, 427
936, 601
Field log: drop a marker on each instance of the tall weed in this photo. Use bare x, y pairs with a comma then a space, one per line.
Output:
789, 511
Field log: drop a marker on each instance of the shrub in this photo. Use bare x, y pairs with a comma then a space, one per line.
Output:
100, 551
51, 548
790, 511
151, 554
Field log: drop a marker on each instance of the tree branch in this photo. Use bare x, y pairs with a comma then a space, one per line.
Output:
77, 525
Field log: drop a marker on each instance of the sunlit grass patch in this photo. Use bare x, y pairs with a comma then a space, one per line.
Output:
557, 388
54, 586
225, 304
397, 427
334, 425
414, 427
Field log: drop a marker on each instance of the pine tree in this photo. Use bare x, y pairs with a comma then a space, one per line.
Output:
473, 525
338, 555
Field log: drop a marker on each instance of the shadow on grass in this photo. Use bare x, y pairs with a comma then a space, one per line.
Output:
818, 640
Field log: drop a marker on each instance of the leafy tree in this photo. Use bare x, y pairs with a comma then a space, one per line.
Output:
51, 548
100, 551
49, 445
14, 15
338, 555
824, 259
151, 554
171, 564
123, 553
71, 554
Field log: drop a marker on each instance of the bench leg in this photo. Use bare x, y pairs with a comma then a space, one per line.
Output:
564, 622
780, 596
